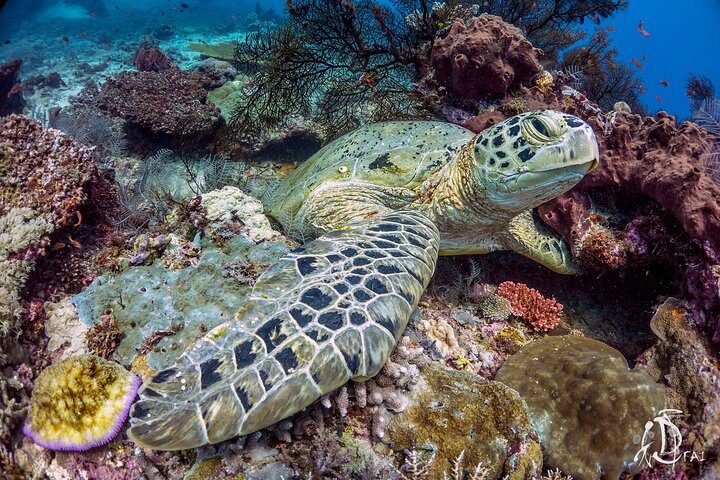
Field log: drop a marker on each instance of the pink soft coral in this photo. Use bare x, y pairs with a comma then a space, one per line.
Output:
540, 312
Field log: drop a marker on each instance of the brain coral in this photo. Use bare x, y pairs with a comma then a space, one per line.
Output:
483, 58
584, 402
80, 403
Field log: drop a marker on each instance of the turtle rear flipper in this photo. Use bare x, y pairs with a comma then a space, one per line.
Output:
327, 312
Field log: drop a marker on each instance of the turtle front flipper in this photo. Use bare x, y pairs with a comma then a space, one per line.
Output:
528, 236
325, 313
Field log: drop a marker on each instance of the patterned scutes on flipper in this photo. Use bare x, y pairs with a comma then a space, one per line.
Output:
326, 312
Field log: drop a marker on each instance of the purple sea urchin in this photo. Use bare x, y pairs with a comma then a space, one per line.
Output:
80, 403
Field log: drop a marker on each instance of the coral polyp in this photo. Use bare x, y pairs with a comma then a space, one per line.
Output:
80, 403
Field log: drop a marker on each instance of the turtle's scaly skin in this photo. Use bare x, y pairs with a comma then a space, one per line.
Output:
387, 199
327, 312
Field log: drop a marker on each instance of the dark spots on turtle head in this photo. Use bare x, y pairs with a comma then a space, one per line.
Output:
318, 334
360, 261
287, 359
316, 298
376, 286
271, 334
302, 318
572, 154
484, 142
392, 238
163, 376
208, 373
573, 121
514, 130
383, 244
348, 252
499, 140
545, 248
384, 227
501, 154
388, 269
526, 155
513, 121
306, 265
520, 142
504, 164
334, 258
361, 295
492, 160
244, 355
357, 318
152, 393
331, 320
340, 288
139, 411
244, 397
375, 254
383, 161
353, 279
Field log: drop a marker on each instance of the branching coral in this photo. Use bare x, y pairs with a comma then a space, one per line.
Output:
80, 403
540, 312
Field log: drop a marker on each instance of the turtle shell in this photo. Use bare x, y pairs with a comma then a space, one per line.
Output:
390, 154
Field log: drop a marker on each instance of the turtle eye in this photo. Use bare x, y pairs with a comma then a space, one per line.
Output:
540, 129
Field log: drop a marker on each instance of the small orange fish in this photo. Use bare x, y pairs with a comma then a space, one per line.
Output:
610, 28
641, 29
58, 246
637, 63
658, 98
642, 90
664, 83
79, 216
65, 39
75, 243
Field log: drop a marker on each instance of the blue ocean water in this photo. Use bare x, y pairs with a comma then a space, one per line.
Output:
685, 38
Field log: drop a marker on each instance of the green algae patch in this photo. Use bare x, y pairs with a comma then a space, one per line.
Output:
453, 412
588, 407
161, 311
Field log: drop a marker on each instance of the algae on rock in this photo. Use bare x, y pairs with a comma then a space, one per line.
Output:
453, 411
587, 406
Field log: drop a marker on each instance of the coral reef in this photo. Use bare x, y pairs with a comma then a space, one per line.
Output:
80, 403
681, 361
527, 303
11, 93
586, 405
152, 60
451, 412
43, 178
230, 212
483, 58
170, 102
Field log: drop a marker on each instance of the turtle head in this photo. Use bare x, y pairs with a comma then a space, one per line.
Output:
533, 157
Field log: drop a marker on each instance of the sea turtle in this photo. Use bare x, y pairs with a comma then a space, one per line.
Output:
386, 199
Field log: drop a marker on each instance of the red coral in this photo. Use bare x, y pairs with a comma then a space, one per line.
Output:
484, 58
527, 303
171, 102
152, 60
